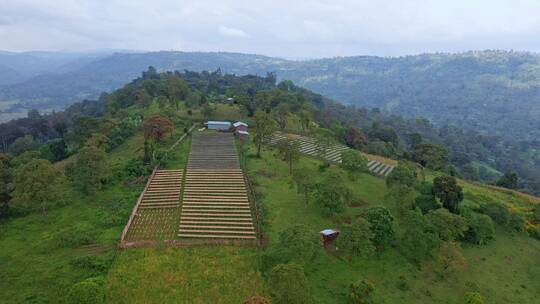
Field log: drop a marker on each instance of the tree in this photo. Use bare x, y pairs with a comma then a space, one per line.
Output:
403, 174
331, 195
355, 239
207, 110
264, 128
426, 203
99, 141
90, 171
289, 151
481, 229
6, 177
58, 149
305, 184
381, 224
177, 89
418, 239
508, 180
305, 119
299, 244
288, 284
431, 156
155, 129
281, 115
497, 212
448, 226
355, 138
446, 189
23, 144
354, 163
361, 292
35, 183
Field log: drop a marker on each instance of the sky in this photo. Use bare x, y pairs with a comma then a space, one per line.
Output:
288, 29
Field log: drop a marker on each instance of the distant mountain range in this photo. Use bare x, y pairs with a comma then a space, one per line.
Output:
492, 91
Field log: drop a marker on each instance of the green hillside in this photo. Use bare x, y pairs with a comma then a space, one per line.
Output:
64, 249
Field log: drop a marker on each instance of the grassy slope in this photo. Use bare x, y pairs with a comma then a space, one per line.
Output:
35, 270
503, 271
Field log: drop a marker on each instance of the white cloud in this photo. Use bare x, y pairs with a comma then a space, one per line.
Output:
232, 32
313, 28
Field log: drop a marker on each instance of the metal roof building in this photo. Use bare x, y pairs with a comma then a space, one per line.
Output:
218, 125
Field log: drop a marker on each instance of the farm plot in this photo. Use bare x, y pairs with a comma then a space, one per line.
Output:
215, 204
156, 215
332, 152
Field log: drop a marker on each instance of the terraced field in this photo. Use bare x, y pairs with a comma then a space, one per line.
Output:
215, 204
158, 209
310, 146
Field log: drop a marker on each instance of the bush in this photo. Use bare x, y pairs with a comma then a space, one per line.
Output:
497, 212
448, 226
76, 236
403, 174
474, 298
289, 285
89, 291
135, 167
361, 292
426, 203
481, 229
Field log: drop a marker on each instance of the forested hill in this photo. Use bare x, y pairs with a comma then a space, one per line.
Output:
491, 91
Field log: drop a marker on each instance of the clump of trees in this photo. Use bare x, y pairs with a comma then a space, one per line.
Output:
36, 186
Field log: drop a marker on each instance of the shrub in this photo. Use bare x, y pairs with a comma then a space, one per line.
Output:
289, 285
447, 225
474, 298
361, 292
481, 229
89, 291
497, 212
426, 203
79, 235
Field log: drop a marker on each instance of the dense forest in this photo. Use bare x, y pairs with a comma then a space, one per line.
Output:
69, 179
493, 92
473, 155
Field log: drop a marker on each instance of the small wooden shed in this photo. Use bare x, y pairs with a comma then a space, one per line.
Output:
329, 235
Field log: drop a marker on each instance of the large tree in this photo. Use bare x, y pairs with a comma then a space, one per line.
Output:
381, 224
354, 163
281, 115
6, 176
35, 184
331, 195
289, 151
403, 174
90, 171
289, 285
355, 138
305, 183
509, 180
446, 189
264, 128
155, 129
355, 238
431, 156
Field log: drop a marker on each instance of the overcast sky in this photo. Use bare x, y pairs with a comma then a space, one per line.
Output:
291, 29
